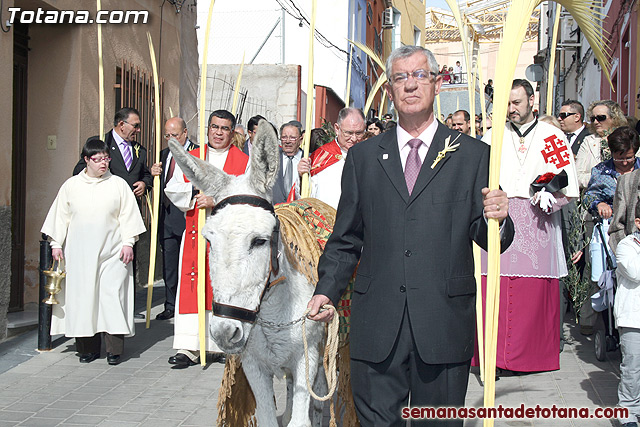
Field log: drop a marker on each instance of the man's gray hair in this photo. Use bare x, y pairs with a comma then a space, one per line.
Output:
407, 51
293, 124
347, 111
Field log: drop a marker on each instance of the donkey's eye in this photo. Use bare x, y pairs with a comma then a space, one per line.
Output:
257, 242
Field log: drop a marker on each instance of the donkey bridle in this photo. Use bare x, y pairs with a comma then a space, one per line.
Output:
240, 313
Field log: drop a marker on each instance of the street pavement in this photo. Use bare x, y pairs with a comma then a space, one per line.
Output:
52, 388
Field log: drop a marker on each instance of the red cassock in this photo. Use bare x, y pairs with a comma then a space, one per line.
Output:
236, 164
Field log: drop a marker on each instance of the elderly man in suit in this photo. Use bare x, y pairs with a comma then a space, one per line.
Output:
171, 223
128, 157
290, 155
409, 215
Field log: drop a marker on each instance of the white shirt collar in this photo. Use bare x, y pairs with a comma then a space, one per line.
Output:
578, 131
426, 136
296, 156
118, 138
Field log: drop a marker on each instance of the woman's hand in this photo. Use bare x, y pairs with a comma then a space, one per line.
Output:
126, 254
604, 210
57, 254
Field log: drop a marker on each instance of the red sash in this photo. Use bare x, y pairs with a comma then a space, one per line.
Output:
235, 164
325, 156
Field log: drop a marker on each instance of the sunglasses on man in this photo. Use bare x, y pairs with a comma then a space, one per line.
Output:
563, 115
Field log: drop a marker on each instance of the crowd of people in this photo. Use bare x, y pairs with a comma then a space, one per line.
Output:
394, 221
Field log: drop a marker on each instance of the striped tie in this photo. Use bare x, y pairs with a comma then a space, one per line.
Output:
412, 168
127, 155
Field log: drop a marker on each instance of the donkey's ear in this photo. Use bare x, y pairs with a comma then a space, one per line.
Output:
203, 175
264, 159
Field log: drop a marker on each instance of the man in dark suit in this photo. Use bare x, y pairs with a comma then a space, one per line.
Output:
571, 118
128, 157
290, 155
409, 215
171, 222
252, 128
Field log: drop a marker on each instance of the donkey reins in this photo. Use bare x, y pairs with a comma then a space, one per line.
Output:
241, 313
243, 199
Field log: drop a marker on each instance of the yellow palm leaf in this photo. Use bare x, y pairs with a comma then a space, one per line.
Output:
372, 94
369, 53
463, 28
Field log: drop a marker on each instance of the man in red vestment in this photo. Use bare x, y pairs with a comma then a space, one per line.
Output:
222, 154
327, 161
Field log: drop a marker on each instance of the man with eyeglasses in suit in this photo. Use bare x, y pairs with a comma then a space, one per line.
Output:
408, 213
128, 157
290, 156
571, 118
327, 162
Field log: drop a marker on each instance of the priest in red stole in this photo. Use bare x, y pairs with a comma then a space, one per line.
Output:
225, 156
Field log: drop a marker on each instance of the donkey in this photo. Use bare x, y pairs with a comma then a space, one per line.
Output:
246, 256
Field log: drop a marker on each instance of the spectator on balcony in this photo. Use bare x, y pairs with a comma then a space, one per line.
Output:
457, 73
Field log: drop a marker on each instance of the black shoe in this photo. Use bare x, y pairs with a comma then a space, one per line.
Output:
138, 316
181, 361
166, 314
113, 359
88, 357
219, 358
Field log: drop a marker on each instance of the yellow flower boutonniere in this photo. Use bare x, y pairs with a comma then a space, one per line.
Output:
137, 149
449, 147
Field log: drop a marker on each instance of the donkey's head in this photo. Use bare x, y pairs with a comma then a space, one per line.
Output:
240, 230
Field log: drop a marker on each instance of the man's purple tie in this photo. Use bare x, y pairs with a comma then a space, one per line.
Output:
127, 155
412, 168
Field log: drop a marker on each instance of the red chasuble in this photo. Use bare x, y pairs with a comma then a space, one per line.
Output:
325, 156
235, 164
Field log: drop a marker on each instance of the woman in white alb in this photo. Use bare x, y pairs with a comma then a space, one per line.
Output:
93, 224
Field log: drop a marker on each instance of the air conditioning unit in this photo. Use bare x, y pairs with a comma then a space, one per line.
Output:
387, 18
569, 31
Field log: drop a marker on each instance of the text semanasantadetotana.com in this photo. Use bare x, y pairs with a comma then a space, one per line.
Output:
521, 411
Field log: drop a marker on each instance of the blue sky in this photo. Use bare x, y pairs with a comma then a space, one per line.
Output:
437, 3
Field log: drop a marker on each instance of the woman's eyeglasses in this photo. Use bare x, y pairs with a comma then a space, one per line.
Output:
600, 118
100, 159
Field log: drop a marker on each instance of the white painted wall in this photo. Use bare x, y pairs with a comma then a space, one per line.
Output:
241, 26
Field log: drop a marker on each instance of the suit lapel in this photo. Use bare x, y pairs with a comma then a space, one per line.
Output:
389, 158
280, 176
135, 154
115, 151
164, 154
426, 173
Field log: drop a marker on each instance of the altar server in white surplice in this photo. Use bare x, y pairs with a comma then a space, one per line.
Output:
93, 224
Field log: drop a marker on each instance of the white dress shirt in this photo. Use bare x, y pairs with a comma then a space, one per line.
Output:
426, 137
